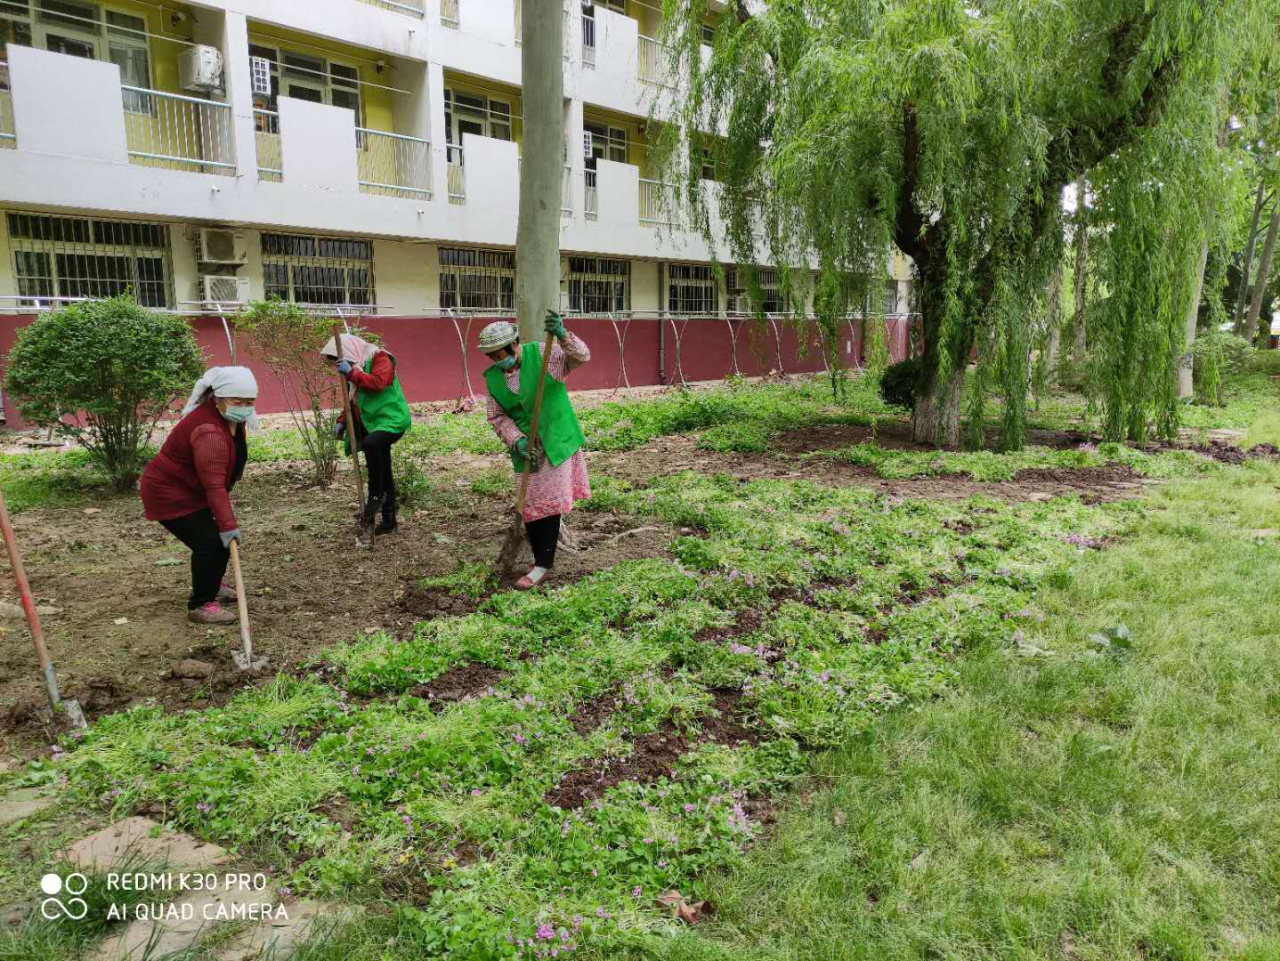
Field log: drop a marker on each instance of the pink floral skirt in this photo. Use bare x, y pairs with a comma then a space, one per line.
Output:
553, 490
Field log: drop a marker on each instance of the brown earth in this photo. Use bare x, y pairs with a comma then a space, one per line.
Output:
457, 684
653, 756
119, 584
677, 453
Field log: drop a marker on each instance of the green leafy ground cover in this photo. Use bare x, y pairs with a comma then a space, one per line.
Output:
814, 610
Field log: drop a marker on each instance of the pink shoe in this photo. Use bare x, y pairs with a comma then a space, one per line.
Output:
227, 593
527, 583
212, 613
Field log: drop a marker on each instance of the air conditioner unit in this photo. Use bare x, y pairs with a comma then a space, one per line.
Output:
224, 290
219, 246
200, 69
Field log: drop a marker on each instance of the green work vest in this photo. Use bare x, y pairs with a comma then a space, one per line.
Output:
558, 428
384, 409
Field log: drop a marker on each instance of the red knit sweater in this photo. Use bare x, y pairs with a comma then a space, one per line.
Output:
199, 462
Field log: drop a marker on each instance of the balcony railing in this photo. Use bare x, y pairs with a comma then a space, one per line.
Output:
449, 13
7, 137
653, 62
266, 124
177, 132
591, 199
392, 164
456, 176
660, 203
566, 192
415, 8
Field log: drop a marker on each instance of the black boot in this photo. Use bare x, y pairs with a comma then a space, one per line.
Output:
371, 508
388, 518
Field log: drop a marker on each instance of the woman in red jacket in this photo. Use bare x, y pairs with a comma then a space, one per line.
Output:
186, 485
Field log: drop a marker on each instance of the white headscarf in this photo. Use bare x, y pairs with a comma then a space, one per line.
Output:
224, 382
353, 349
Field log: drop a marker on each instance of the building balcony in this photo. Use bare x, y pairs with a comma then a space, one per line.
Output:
414, 8
177, 132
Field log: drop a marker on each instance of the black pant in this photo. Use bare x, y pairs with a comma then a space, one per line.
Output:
377, 456
209, 558
543, 535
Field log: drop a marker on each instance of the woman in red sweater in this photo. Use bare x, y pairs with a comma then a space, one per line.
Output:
186, 485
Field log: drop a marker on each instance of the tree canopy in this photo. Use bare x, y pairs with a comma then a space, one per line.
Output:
950, 129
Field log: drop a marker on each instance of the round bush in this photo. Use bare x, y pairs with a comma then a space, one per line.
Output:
898, 383
103, 372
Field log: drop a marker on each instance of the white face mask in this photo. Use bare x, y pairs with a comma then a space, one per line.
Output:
238, 415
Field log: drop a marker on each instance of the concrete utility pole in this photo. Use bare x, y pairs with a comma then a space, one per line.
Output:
541, 165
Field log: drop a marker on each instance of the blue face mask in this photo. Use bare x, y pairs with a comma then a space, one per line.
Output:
238, 415
507, 362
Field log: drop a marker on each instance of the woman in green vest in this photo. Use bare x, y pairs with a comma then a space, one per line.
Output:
382, 418
559, 475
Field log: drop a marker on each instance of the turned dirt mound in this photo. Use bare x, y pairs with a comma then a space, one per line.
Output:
653, 756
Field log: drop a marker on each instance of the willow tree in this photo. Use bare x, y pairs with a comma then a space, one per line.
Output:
949, 128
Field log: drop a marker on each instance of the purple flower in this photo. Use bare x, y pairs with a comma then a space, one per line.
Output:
635, 892
476, 792
688, 809
546, 932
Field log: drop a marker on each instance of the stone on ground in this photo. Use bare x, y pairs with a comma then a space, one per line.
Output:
146, 938
131, 841
279, 938
18, 805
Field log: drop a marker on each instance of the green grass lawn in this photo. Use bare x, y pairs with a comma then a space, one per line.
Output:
1065, 804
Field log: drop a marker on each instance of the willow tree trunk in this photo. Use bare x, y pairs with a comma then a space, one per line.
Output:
936, 418
1082, 274
1259, 201
541, 166
1264, 274
1053, 319
1186, 368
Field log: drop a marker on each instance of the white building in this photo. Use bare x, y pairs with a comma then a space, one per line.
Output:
360, 152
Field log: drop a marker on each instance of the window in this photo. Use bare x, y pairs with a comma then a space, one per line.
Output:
84, 257
304, 77
475, 113
891, 297
604, 141
691, 289
309, 269
81, 29
708, 35
598, 285
472, 278
772, 300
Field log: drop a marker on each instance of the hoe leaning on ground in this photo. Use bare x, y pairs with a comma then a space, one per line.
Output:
70, 709
515, 533
366, 535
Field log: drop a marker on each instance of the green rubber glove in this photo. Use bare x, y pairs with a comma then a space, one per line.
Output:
554, 324
522, 448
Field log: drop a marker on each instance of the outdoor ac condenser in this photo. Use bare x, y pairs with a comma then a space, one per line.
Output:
225, 290
200, 69
219, 246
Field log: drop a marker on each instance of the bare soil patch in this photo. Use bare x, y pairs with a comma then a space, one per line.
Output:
726, 725
594, 712
458, 683
653, 756
120, 583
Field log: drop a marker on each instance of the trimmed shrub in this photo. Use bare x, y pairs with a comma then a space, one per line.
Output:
898, 383
102, 373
